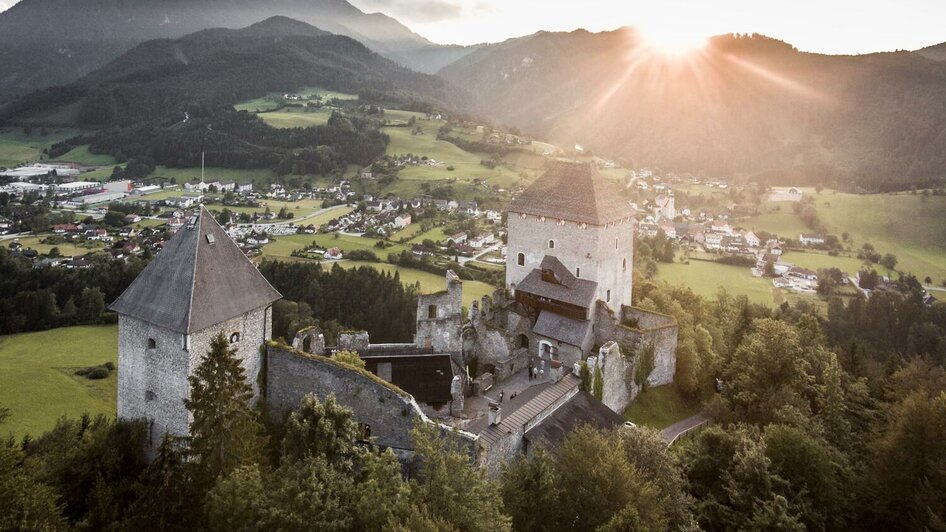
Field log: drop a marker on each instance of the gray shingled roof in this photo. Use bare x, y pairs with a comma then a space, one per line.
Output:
567, 330
575, 192
570, 289
582, 408
200, 279
520, 417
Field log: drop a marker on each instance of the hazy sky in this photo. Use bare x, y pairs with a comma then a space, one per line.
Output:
830, 26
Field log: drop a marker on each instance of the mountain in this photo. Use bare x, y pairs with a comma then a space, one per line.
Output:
743, 104
51, 42
216, 68
937, 52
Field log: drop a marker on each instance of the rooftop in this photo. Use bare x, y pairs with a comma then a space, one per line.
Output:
553, 280
200, 279
574, 192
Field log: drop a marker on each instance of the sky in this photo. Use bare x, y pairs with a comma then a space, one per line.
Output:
826, 26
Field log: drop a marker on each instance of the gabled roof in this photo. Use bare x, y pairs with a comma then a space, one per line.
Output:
574, 192
582, 408
200, 279
561, 328
568, 288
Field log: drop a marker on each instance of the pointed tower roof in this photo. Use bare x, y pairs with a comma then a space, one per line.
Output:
574, 192
200, 279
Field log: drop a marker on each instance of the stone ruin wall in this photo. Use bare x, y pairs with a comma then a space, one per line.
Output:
443, 330
291, 374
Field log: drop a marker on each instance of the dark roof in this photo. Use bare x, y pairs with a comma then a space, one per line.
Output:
575, 192
568, 288
556, 327
582, 408
426, 377
200, 279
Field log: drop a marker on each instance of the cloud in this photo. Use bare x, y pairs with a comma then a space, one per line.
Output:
6, 4
419, 11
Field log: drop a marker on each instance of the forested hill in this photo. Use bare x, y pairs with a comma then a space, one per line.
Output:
744, 104
51, 42
161, 79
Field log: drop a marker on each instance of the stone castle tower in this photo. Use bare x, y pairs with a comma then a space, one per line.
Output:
199, 285
575, 215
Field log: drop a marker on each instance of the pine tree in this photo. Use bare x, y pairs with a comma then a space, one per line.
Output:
226, 432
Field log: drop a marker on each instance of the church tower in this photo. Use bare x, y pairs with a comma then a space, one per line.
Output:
201, 284
573, 214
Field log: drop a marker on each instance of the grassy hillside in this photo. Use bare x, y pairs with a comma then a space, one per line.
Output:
706, 278
429, 282
16, 147
297, 117
37, 380
81, 155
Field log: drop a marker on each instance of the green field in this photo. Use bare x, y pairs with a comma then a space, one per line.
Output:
816, 261
295, 117
300, 209
660, 407
37, 381
912, 227
283, 246
184, 175
429, 282
16, 147
437, 234
66, 249
706, 278
82, 155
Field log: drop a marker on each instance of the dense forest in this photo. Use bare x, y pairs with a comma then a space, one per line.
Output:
806, 436
35, 299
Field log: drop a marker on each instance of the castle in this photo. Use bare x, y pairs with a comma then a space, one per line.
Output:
567, 302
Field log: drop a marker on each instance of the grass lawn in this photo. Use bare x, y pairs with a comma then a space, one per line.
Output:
815, 261
429, 282
661, 407
66, 249
99, 174
436, 234
270, 102
37, 382
408, 232
211, 174
294, 117
912, 227
81, 155
299, 209
16, 147
784, 223
163, 195
283, 246
706, 278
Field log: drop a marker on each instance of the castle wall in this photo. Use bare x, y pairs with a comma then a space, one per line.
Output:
290, 375
152, 383
440, 318
590, 248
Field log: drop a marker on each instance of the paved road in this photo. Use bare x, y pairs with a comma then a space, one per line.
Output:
674, 431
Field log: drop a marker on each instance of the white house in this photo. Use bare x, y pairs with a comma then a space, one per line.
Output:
811, 239
402, 220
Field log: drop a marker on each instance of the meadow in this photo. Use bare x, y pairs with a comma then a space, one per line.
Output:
82, 155
706, 278
295, 117
660, 407
183, 175
283, 246
17, 147
38, 382
66, 249
428, 282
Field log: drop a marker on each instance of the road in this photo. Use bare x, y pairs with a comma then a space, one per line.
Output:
494, 247
671, 433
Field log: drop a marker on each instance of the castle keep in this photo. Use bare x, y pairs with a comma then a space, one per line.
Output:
502, 374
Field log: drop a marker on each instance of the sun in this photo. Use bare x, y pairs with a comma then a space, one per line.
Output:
672, 41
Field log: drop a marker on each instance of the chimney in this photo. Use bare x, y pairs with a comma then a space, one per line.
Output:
495, 414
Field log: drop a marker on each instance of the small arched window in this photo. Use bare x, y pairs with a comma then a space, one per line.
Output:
551, 244
521, 259
578, 272
608, 296
151, 343
234, 338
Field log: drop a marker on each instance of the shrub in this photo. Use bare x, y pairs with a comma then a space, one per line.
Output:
109, 365
97, 373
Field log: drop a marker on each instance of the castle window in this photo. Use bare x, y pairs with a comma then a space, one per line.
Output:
234, 338
184, 342
615, 243
151, 343
551, 244
432, 312
150, 396
578, 272
608, 295
624, 265
521, 259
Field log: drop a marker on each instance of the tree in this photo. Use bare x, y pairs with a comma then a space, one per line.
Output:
225, 432
452, 490
27, 504
91, 304
889, 261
